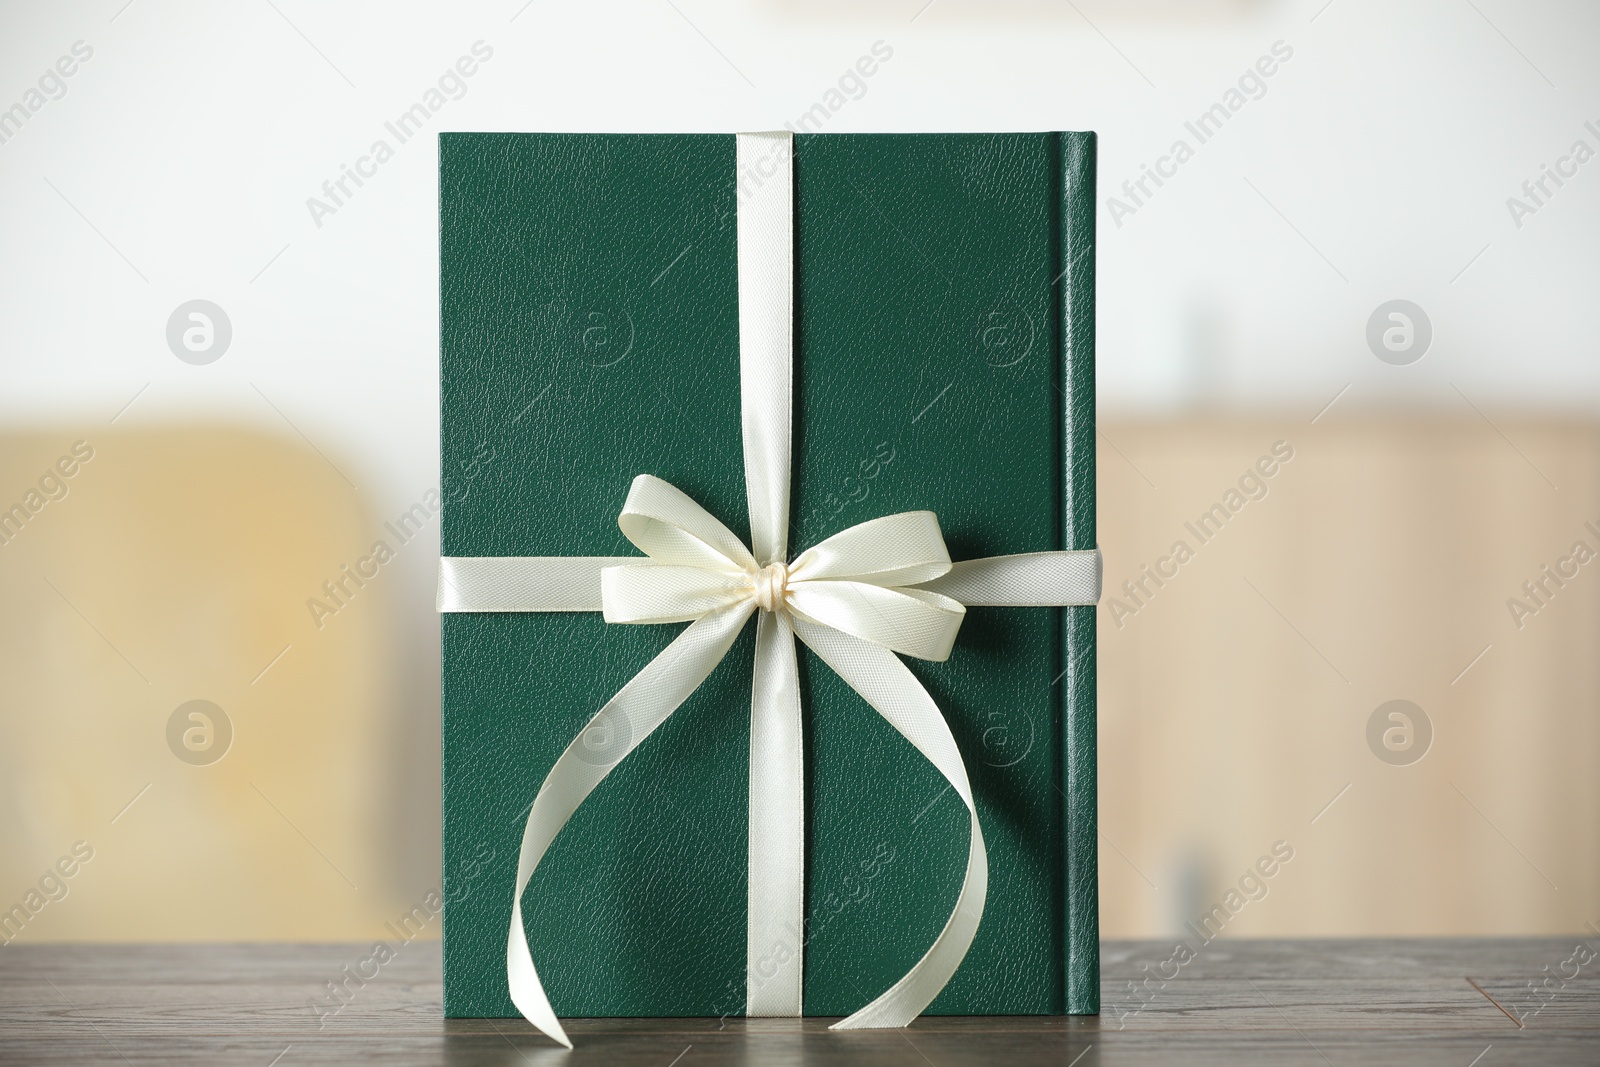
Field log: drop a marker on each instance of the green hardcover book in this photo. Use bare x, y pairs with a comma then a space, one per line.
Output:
944, 360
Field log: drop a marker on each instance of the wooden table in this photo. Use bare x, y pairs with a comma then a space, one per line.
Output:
1462, 1003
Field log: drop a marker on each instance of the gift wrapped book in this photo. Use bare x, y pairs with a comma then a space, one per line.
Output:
769, 571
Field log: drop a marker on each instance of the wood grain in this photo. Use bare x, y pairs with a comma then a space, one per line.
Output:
1295, 1002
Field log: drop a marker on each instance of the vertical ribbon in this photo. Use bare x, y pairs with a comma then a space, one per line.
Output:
775, 938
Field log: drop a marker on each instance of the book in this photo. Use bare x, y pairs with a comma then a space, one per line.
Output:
944, 333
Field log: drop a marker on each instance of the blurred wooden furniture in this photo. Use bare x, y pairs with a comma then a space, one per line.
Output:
1310, 1002
1235, 694
170, 565
1376, 564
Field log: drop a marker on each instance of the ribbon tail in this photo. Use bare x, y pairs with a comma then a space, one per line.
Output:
775, 939
616, 730
886, 683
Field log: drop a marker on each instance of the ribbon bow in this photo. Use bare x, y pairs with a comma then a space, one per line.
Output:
882, 587
861, 581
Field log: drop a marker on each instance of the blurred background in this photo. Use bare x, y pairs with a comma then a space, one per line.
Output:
1349, 458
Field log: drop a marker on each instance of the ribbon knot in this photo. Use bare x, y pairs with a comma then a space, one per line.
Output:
770, 586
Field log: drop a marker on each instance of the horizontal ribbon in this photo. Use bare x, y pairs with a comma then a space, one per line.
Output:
572, 583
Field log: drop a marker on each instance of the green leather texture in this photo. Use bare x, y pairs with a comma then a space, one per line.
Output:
944, 361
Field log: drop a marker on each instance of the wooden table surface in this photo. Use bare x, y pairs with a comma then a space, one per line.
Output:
1463, 1003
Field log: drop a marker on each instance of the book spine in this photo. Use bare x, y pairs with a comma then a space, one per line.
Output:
1076, 270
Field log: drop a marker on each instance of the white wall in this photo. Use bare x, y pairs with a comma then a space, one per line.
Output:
1391, 141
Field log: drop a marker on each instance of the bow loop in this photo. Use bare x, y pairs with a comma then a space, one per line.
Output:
903, 549
669, 527
663, 592
914, 622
